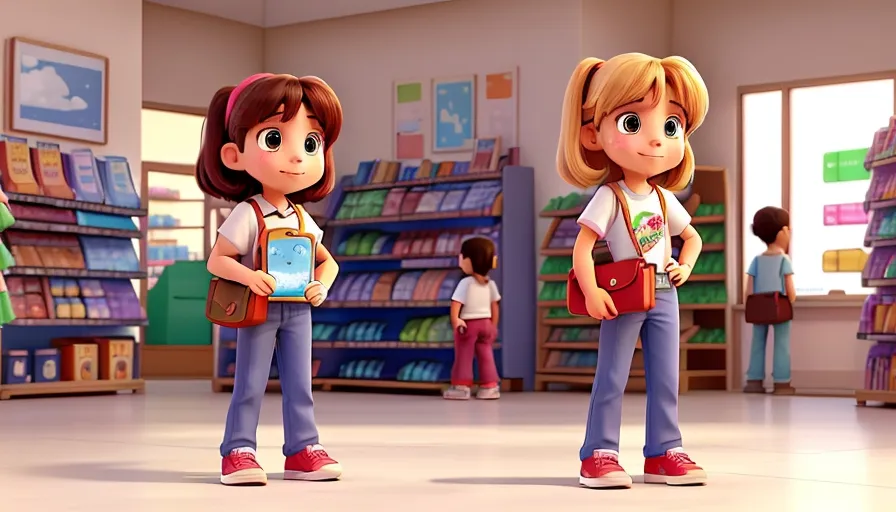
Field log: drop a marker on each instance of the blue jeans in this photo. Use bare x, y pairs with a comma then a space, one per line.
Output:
780, 357
659, 333
289, 328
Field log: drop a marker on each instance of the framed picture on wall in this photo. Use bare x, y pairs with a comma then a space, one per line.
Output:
57, 91
453, 113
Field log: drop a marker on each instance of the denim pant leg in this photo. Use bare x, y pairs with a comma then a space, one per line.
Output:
254, 352
781, 354
660, 344
618, 338
294, 362
756, 370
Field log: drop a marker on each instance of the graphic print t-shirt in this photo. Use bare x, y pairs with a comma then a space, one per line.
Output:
603, 216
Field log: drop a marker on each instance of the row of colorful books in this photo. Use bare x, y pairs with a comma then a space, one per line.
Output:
384, 171
44, 170
479, 196
880, 368
411, 243
364, 287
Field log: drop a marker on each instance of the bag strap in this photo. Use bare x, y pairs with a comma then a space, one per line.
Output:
300, 215
623, 207
781, 275
259, 232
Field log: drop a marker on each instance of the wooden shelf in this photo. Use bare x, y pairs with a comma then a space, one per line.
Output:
74, 229
714, 247
879, 204
556, 252
175, 200
74, 272
863, 396
574, 321
77, 322
552, 303
173, 228
454, 178
879, 283
8, 391
468, 214
705, 277
569, 212
702, 307
707, 219
553, 277
704, 346
68, 204
883, 161
879, 337
880, 241
329, 384
389, 304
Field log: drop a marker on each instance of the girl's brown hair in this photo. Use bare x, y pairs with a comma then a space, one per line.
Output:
768, 222
258, 101
481, 253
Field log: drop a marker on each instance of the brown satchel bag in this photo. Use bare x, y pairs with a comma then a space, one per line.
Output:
630, 283
231, 304
769, 308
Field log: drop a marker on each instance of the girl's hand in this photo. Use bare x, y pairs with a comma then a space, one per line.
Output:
261, 283
316, 293
678, 274
460, 326
600, 306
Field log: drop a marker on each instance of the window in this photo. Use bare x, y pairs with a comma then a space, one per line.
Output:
170, 137
823, 182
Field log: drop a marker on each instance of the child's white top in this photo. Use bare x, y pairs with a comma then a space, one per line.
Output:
476, 298
603, 216
241, 227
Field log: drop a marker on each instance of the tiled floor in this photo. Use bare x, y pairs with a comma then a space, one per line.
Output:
158, 452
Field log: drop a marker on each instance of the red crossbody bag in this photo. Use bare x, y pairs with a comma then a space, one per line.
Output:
630, 283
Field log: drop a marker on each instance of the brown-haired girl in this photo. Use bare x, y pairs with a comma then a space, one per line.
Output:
474, 317
268, 145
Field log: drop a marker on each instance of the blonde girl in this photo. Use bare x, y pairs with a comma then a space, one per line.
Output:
626, 121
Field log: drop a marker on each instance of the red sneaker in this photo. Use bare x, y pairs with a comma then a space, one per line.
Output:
241, 468
673, 468
312, 463
602, 471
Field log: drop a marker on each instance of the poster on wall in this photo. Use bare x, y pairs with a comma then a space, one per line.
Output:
454, 113
408, 113
57, 91
498, 107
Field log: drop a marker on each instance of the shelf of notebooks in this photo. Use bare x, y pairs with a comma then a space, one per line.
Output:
69, 272
396, 232
567, 345
878, 318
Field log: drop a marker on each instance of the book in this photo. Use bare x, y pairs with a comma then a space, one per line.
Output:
382, 290
365, 172
392, 205
402, 245
83, 176
453, 199
115, 174
424, 172
354, 291
411, 200
486, 155
15, 166
379, 172
47, 162
445, 169
479, 195
429, 243
430, 201
404, 285
367, 289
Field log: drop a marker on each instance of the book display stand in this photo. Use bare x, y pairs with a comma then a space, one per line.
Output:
568, 345
385, 322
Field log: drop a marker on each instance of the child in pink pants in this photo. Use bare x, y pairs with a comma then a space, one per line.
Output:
474, 317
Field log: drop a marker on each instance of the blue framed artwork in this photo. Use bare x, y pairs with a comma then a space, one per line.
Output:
454, 113
57, 91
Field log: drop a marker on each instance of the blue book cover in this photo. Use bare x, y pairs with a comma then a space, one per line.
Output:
354, 292
453, 199
82, 175
476, 196
404, 285
367, 288
105, 221
343, 283
118, 184
446, 289
365, 170
461, 168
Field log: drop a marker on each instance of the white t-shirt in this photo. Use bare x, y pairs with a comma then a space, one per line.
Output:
241, 226
476, 298
603, 216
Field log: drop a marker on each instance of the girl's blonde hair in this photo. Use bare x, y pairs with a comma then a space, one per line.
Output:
597, 88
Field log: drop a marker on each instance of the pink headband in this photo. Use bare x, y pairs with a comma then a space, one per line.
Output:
235, 93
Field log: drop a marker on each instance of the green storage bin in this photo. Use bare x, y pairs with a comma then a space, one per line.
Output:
175, 306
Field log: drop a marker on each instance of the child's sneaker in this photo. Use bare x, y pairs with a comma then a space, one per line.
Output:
457, 393
490, 393
312, 464
602, 471
783, 388
673, 468
239, 467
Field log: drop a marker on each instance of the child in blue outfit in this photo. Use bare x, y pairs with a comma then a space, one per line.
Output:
770, 272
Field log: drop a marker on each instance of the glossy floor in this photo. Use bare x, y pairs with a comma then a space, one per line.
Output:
158, 452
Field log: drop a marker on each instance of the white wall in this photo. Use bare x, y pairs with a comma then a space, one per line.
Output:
763, 41
611, 27
188, 56
62, 22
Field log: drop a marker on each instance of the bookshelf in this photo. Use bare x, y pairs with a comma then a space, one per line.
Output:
30, 333
877, 320
567, 345
373, 325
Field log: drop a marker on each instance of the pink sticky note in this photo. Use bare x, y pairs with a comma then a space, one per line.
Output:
845, 214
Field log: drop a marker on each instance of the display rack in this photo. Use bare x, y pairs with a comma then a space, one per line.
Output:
507, 219
878, 320
177, 231
568, 345
35, 333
